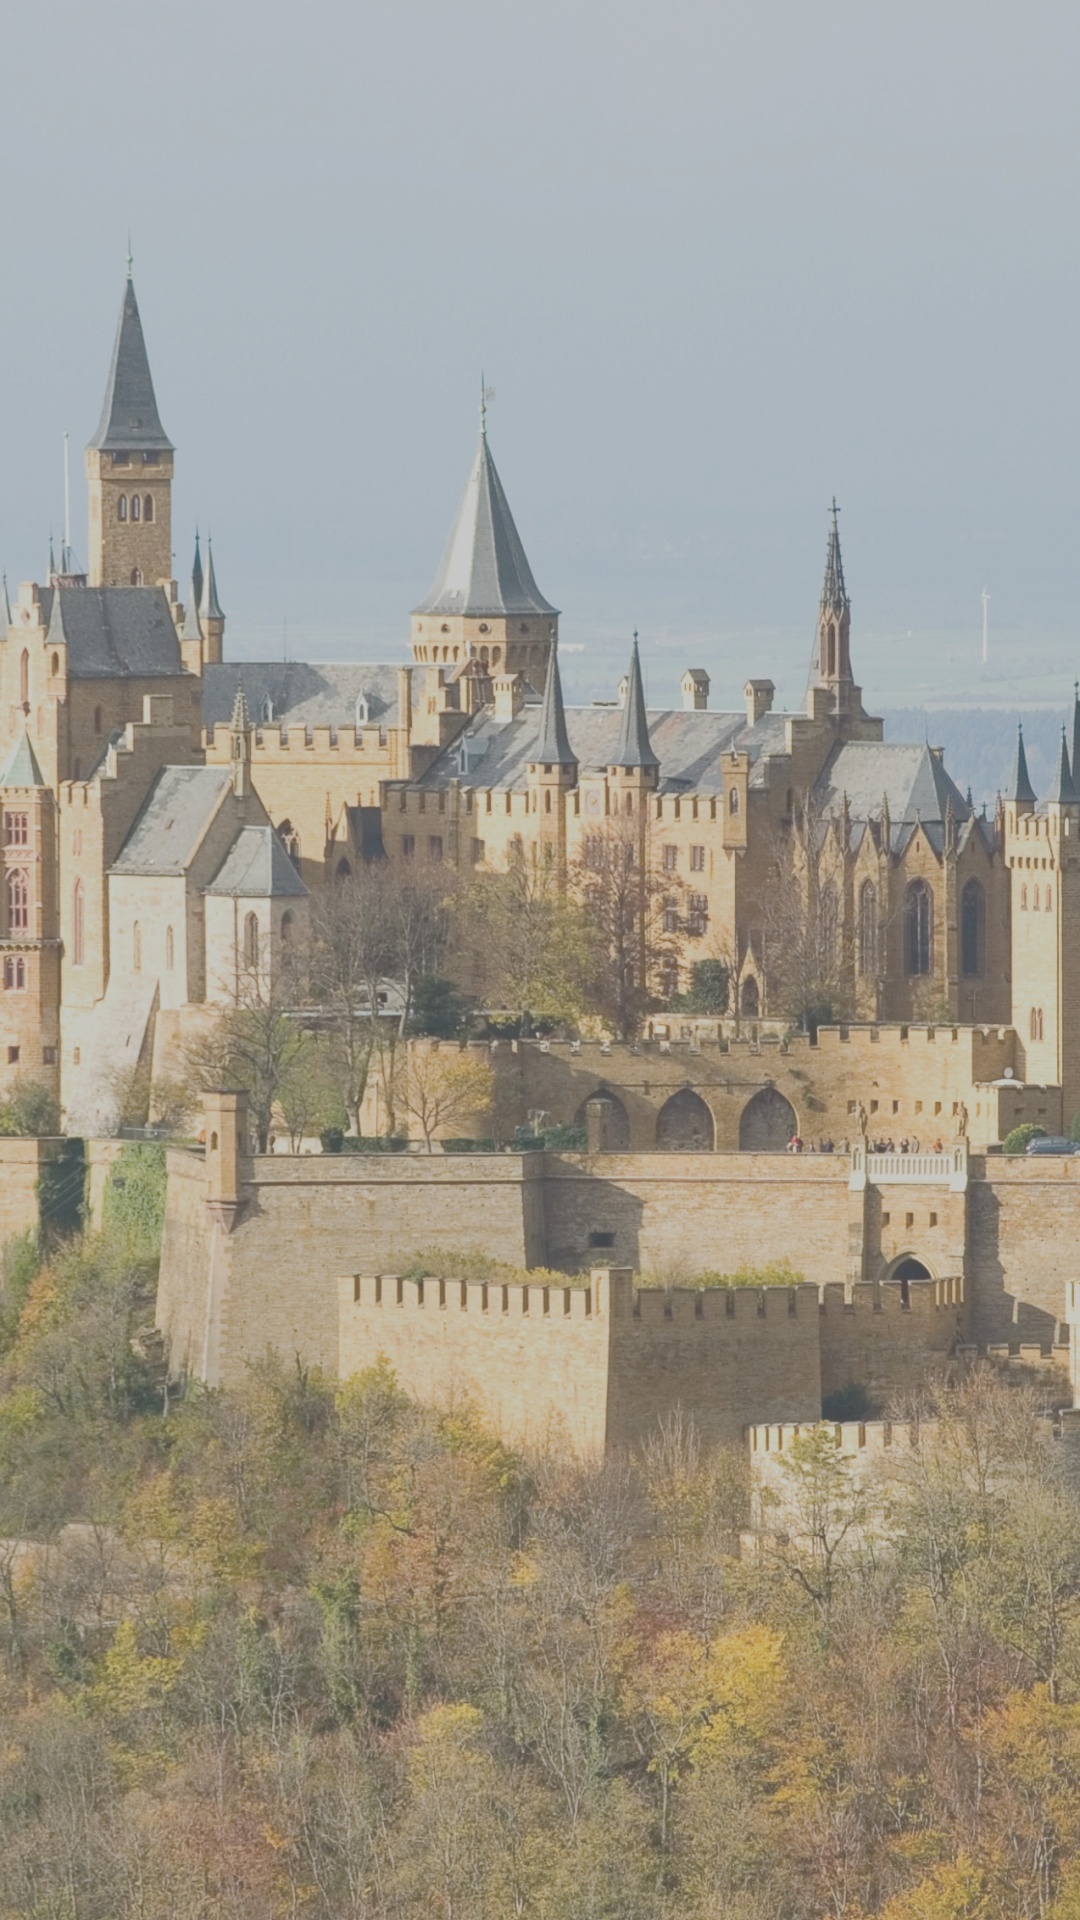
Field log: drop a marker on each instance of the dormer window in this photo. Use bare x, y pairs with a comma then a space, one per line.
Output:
267, 709
363, 710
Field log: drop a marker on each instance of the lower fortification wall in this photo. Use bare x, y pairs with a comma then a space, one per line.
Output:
1023, 1245
874, 1340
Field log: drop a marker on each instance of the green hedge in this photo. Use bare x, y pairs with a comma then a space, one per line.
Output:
1019, 1139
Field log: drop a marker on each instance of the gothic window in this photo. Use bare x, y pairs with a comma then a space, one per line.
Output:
78, 926
1035, 899
267, 709
918, 928
749, 999
24, 678
121, 507
868, 930
972, 929
170, 950
286, 928
18, 901
18, 829
1049, 898
251, 941
1023, 897
15, 974
136, 948
1035, 1024
828, 927
136, 507
733, 800
97, 719
148, 507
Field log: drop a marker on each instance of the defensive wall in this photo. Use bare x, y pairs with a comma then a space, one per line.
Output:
924, 1082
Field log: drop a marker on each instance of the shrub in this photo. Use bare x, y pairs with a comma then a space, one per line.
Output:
465, 1145
437, 1008
134, 1202
1019, 1139
29, 1109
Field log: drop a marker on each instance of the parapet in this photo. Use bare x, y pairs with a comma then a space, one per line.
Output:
924, 1297
850, 1437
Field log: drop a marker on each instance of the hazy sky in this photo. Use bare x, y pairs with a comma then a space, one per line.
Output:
718, 261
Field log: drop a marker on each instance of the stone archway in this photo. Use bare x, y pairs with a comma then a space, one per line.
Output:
750, 998
618, 1121
767, 1122
906, 1272
684, 1124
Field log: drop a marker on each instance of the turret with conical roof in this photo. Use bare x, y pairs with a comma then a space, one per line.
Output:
634, 749
1062, 791
1021, 792
552, 766
553, 742
484, 604
211, 614
129, 468
197, 572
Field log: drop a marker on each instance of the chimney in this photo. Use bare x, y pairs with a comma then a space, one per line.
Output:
759, 698
695, 690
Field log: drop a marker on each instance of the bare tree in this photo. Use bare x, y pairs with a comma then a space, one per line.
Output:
807, 946
521, 942
442, 1084
633, 914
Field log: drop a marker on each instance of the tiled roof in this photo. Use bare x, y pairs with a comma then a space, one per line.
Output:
111, 631
257, 867
129, 418
173, 819
301, 693
484, 569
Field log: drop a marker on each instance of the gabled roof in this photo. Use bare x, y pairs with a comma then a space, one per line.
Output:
484, 570
173, 819
634, 749
257, 867
22, 769
301, 693
129, 418
111, 631
553, 746
911, 780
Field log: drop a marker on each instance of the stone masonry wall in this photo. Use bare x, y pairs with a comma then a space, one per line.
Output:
872, 1340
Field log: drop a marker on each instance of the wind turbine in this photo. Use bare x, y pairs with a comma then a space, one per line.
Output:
986, 626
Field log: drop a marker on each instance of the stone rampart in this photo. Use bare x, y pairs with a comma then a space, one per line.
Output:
886, 1339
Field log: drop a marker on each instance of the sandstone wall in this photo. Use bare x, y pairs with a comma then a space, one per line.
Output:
871, 1339
1023, 1245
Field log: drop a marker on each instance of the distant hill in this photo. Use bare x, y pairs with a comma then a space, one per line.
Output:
980, 743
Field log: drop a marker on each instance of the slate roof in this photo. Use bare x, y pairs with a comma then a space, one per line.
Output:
111, 631
484, 569
912, 778
257, 867
173, 818
635, 749
553, 746
22, 769
302, 693
687, 745
129, 418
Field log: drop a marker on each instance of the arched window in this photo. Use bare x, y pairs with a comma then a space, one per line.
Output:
868, 930
1035, 898
286, 928
24, 678
919, 928
15, 974
121, 507
97, 719
267, 709
55, 663
828, 927
1023, 897
136, 507
343, 871
136, 948
78, 926
363, 709
18, 901
972, 929
136, 576
733, 800
749, 998
251, 941
148, 507
290, 840
1035, 1023
170, 950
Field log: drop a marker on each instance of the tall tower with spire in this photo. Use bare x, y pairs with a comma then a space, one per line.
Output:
129, 469
833, 692
485, 604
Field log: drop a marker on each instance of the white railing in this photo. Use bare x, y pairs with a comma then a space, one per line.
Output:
912, 1169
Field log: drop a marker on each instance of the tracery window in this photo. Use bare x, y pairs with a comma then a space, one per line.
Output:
972, 929
18, 901
919, 928
868, 930
251, 941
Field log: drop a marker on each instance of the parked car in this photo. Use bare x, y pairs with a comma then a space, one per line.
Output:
1053, 1143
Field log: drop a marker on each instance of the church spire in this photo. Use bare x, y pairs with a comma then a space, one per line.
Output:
1023, 793
211, 614
1062, 787
553, 746
197, 572
130, 421
635, 747
832, 657
833, 592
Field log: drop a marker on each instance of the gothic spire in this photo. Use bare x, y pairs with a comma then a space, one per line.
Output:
635, 747
1062, 789
129, 418
484, 570
6, 605
553, 746
240, 722
209, 608
1022, 790
1075, 762
191, 628
834, 597
197, 572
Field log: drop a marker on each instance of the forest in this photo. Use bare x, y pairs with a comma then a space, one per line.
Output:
309, 1648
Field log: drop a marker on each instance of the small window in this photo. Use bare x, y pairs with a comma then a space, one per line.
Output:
1049, 898
479, 849
98, 719
77, 928
671, 917
55, 665
48, 1055
408, 845
136, 576
18, 829
671, 859
136, 507
435, 847
13, 1056
1023, 897
251, 941
601, 1239
1035, 899
148, 506
121, 507
697, 913
697, 859
18, 901
24, 678
267, 709
733, 800
170, 950
286, 928
14, 973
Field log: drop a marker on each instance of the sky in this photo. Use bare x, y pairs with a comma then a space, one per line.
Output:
719, 262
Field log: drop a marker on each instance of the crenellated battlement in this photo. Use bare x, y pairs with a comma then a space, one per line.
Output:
924, 1298
867, 1438
290, 743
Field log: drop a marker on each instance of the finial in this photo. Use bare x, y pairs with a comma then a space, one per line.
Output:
130, 257
635, 636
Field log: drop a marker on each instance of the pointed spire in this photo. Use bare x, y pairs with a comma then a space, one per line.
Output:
484, 571
191, 629
635, 747
52, 558
1062, 790
209, 608
1022, 789
6, 605
1075, 760
129, 418
240, 722
197, 572
553, 746
834, 597
21, 769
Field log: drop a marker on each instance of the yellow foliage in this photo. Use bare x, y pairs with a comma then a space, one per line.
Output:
131, 1682
956, 1891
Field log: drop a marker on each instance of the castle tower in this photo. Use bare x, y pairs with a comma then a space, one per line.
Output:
485, 604
832, 684
211, 615
129, 469
29, 946
552, 768
1042, 852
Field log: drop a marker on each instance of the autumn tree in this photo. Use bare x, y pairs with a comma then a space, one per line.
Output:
522, 943
633, 917
806, 942
441, 1084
